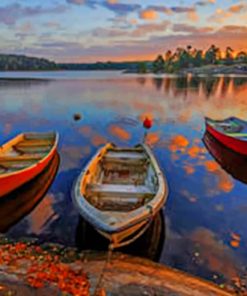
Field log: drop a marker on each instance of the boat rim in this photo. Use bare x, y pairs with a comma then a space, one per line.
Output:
95, 216
54, 147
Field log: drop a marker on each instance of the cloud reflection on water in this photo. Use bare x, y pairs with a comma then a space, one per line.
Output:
205, 204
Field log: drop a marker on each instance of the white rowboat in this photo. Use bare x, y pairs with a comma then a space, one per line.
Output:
120, 191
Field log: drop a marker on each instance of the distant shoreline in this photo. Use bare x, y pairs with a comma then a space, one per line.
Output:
181, 63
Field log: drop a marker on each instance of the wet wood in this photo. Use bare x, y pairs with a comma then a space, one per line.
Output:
119, 190
20, 158
116, 201
123, 275
27, 154
125, 155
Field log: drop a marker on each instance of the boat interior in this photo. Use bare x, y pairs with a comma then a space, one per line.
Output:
121, 180
24, 151
230, 125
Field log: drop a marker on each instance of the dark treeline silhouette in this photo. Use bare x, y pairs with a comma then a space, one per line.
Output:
188, 58
181, 60
24, 63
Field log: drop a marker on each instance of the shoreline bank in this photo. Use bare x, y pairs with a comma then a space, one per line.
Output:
28, 268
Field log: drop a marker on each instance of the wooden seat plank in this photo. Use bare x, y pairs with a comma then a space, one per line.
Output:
125, 155
20, 158
119, 190
34, 143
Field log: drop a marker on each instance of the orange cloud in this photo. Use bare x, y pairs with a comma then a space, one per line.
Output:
193, 16
152, 138
211, 165
119, 132
148, 14
225, 182
178, 143
112, 1
85, 130
194, 151
189, 169
98, 140
213, 253
237, 8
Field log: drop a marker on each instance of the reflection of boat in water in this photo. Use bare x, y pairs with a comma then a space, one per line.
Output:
231, 132
120, 191
233, 163
19, 203
149, 245
24, 157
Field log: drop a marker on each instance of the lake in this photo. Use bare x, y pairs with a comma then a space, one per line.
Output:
205, 215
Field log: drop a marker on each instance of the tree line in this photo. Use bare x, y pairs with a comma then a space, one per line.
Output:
185, 58
24, 63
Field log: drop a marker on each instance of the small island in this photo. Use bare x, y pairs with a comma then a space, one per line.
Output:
198, 62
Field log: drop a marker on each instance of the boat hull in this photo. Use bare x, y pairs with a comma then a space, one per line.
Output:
126, 236
236, 145
120, 228
12, 181
21, 202
233, 163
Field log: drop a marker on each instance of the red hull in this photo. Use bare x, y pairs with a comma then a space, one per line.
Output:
236, 145
12, 181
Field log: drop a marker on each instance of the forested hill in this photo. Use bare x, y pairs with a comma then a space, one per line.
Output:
23, 63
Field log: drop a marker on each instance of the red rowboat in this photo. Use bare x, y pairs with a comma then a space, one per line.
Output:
24, 157
231, 132
233, 163
19, 203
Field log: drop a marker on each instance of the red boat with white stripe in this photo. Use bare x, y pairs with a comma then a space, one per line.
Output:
231, 132
24, 157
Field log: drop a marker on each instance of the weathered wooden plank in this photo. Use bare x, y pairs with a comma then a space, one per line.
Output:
119, 190
32, 136
32, 149
34, 143
125, 155
20, 158
127, 149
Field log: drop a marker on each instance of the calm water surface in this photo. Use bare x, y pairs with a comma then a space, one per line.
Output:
206, 229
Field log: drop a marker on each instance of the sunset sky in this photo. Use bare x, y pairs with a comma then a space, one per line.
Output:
118, 30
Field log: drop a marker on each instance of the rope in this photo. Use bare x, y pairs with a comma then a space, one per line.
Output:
101, 277
112, 246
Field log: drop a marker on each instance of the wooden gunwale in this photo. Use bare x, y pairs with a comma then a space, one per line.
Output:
128, 220
10, 180
54, 147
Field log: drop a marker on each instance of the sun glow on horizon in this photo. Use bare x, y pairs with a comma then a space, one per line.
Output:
111, 30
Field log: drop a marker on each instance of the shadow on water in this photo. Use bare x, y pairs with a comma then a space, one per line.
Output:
233, 163
22, 82
149, 245
18, 204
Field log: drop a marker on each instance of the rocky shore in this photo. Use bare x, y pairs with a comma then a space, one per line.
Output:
51, 269
240, 69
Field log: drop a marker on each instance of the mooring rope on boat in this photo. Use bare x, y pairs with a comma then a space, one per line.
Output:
113, 246
101, 277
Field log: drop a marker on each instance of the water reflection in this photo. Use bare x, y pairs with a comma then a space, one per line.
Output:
206, 208
149, 245
18, 204
208, 86
233, 163
22, 82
